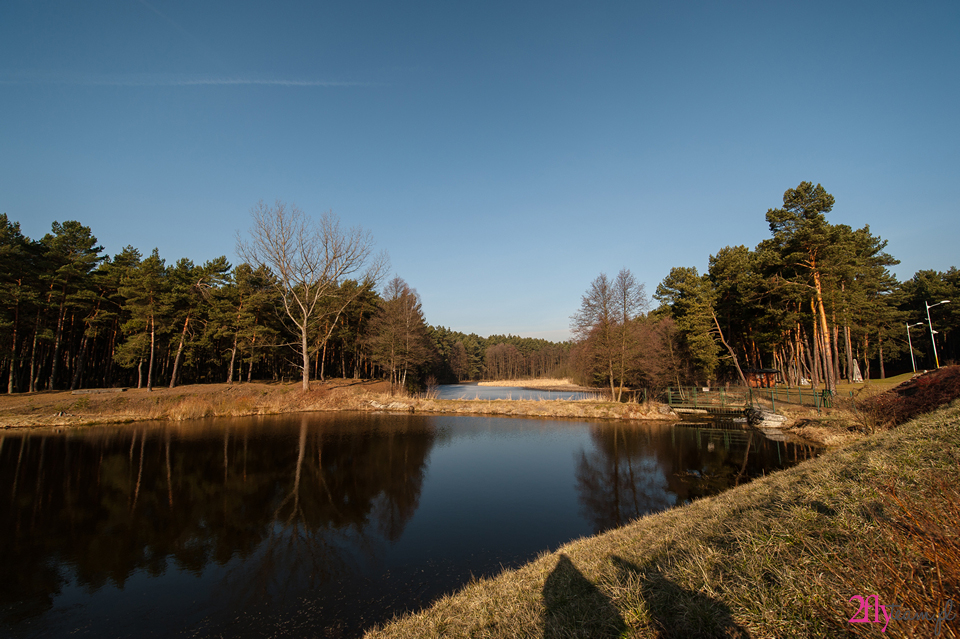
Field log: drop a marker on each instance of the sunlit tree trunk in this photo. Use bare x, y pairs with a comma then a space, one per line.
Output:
153, 343
233, 359
11, 385
176, 360
829, 379
883, 373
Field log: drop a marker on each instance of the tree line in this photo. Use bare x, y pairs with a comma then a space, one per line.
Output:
308, 302
815, 301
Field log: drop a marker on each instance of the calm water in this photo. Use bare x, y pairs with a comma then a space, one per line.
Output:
322, 524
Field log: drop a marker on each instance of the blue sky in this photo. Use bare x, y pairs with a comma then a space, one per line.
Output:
503, 154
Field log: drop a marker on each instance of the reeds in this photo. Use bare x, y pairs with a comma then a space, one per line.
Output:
190, 408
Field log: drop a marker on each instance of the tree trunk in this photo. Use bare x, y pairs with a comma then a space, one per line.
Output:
11, 386
233, 359
176, 360
32, 383
826, 359
153, 343
733, 355
304, 346
81, 358
836, 350
830, 380
253, 351
849, 346
57, 341
323, 361
815, 367
108, 373
613, 392
883, 373
866, 357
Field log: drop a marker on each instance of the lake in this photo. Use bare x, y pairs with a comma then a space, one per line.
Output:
321, 524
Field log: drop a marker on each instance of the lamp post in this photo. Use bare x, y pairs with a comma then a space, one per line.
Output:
936, 359
910, 342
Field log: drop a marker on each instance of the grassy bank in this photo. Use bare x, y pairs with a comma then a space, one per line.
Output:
61, 408
780, 557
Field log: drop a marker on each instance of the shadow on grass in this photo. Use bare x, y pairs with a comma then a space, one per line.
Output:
676, 612
574, 607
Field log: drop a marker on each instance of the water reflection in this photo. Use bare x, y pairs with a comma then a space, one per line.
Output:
320, 524
284, 511
633, 471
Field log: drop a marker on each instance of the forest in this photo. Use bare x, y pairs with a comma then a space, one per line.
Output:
73, 317
816, 301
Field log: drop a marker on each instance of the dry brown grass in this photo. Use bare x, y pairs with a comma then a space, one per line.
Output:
915, 554
179, 404
779, 557
189, 408
583, 409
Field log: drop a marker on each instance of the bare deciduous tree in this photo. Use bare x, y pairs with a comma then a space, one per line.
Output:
397, 334
606, 312
310, 259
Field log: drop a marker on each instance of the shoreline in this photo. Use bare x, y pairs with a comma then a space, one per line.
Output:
63, 409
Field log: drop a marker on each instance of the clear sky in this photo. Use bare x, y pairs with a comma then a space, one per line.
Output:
502, 153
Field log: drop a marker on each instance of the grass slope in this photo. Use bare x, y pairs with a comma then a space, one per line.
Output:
780, 557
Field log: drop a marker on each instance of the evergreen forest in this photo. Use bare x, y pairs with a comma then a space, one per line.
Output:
816, 301
73, 317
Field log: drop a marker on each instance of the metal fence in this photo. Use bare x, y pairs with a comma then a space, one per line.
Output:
723, 399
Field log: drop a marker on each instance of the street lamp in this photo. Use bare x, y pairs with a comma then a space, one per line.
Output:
910, 342
933, 332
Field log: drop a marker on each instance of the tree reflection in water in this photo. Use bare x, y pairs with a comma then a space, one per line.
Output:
641, 468
304, 525
283, 510
622, 478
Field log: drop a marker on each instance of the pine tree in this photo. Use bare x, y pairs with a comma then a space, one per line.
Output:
72, 253
19, 291
144, 289
688, 298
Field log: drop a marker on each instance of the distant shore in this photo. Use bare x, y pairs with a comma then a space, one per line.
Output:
63, 409
196, 401
544, 384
